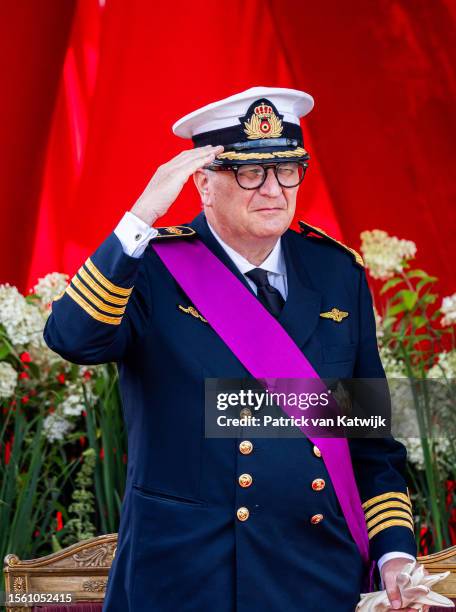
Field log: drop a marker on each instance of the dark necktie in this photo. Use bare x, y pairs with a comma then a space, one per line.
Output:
270, 297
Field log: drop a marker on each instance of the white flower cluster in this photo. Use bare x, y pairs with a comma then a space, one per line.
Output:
384, 255
394, 368
24, 324
23, 321
8, 379
73, 404
56, 426
50, 286
448, 309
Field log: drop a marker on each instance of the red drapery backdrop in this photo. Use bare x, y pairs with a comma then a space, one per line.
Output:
92, 87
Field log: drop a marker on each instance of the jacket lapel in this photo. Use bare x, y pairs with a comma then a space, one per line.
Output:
301, 312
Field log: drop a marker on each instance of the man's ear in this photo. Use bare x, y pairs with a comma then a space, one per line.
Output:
201, 181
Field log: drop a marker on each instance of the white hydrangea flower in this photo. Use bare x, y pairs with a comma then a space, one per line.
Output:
384, 254
56, 427
392, 366
414, 451
23, 321
8, 379
50, 286
448, 308
73, 404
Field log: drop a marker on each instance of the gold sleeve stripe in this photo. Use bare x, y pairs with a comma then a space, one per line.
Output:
91, 311
392, 523
390, 495
389, 504
99, 289
117, 310
388, 515
122, 291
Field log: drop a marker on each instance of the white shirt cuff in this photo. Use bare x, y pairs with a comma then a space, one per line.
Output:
391, 555
134, 234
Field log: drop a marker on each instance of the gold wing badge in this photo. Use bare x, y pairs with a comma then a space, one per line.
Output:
335, 314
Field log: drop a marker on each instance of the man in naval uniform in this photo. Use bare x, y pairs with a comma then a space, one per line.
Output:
225, 524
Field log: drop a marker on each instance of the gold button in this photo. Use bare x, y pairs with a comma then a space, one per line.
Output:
245, 480
316, 518
317, 451
246, 447
245, 412
242, 513
318, 484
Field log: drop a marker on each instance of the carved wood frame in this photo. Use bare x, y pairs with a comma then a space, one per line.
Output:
81, 569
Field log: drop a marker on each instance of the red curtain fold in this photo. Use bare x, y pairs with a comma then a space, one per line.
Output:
380, 137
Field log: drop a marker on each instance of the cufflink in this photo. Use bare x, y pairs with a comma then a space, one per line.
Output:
138, 236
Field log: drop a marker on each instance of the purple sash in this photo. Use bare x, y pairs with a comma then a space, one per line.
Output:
250, 331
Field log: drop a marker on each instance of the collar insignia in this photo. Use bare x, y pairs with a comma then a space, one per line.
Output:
262, 121
174, 231
335, 314
191, 310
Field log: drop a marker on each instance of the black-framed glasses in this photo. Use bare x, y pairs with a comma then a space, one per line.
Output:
252, 176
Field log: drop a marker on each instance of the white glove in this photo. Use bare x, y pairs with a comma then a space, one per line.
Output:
415, 590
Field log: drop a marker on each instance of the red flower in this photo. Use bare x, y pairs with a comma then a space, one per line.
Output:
25, 399
82, 440
7, 452
124, 458
25, 357
102, 453
24, 375
87, 375
59, 521
61, 378
84, 413
36, 533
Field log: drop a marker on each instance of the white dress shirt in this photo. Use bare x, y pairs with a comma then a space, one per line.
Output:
134, 235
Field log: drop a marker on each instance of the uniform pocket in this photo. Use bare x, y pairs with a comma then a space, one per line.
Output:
167, 497
338, 352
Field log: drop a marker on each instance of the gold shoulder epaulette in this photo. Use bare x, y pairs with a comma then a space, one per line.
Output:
174, 231
310, 229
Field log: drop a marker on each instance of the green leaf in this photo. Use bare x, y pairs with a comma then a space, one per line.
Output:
4, 350
391, 283
426, 281
409, 298
429, 298
419, 321
417, 274
396, 309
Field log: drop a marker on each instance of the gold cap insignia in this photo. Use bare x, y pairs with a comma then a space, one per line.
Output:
263, 122
335, 314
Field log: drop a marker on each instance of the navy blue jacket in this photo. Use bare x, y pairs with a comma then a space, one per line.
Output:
181, 544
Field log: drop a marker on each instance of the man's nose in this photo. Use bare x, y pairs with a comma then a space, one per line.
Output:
270, 187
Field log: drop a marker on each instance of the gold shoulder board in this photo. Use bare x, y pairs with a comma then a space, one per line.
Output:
174, 231
307, 229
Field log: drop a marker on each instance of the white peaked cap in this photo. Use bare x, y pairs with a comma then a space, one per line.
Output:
291, 103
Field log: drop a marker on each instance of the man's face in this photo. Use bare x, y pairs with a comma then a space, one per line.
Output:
257, 213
